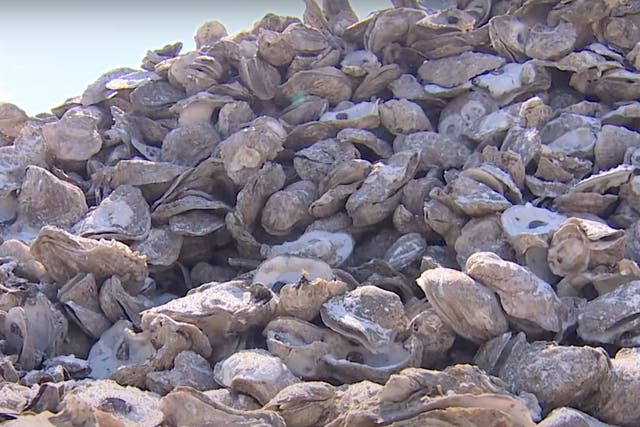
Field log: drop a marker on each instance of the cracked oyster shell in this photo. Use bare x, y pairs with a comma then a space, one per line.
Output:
194, 72
117, 304
196, 223
376, 81
140, 172
189, 370
233, 116
355, 316
302, 346
548, 43
482, 234
362, 365
612, 143
436, 336
188, 145
260, 77
435, 149
256, 373
478, 319
314, 163
513, 80
475, 198
161, 246
403, 117
460, 114
359, 62
251, 199
405, 251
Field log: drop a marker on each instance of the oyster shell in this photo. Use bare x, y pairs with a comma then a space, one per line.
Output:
74, 137
305, 404
124, 215
478, 319
119, 347
571, 373
610, 318
245, 151
256, 373
611, 404
47, 200
79, 297
106, 402
219, 309
353, 315
34, 331
65, 255
284, 269
523, 295
187, 406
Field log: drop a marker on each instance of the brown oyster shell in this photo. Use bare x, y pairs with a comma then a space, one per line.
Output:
65, 255
478, 319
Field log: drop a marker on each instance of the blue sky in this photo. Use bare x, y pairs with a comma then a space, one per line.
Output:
51, 50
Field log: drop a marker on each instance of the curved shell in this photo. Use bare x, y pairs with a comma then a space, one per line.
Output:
219, 309
47, 200
468, 307
354, 315
256, 373
65, 255
332, 248
124, 215
123, 404
286, 269
523, 295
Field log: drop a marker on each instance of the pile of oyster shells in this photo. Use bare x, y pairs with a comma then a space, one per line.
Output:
427, 217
